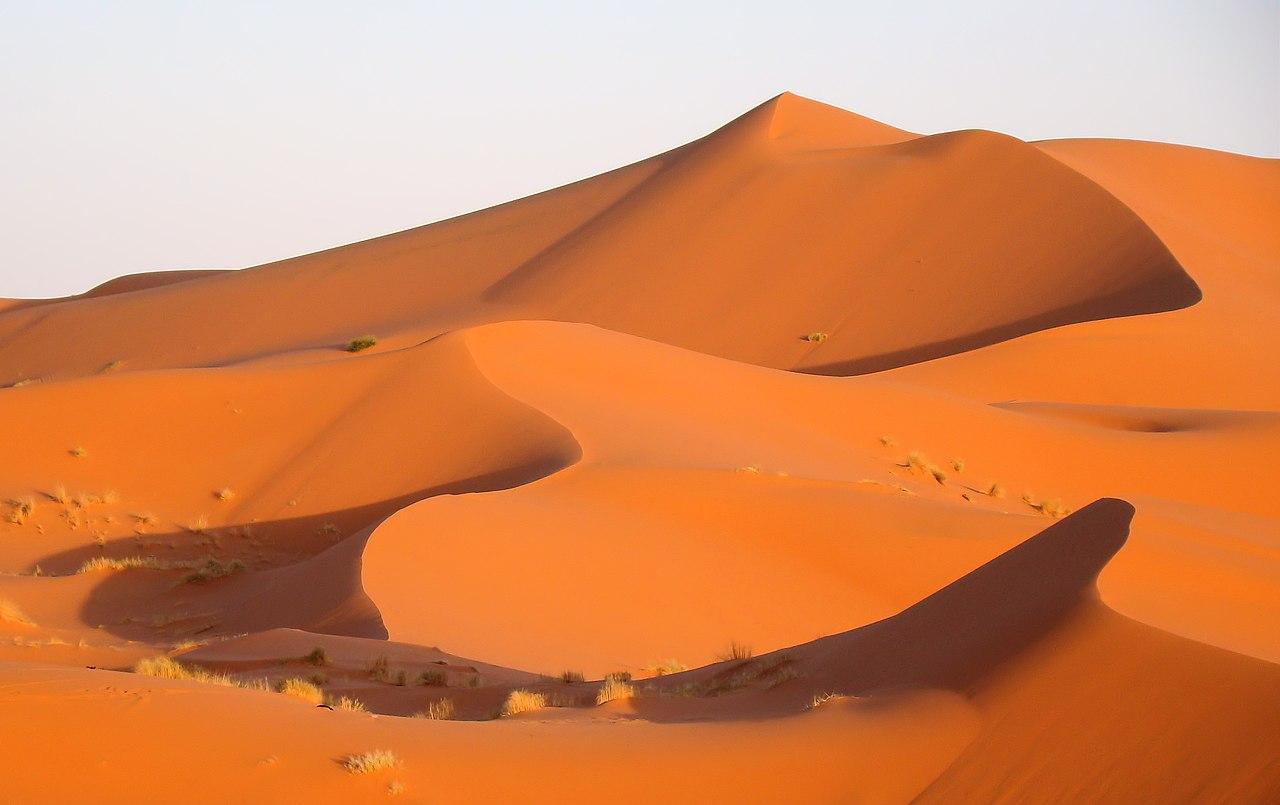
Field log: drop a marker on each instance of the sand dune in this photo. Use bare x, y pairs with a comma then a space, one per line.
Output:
963, 438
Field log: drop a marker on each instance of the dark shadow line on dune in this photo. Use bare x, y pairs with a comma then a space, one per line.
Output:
229, 603
950, 640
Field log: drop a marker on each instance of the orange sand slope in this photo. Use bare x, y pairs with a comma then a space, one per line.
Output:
963, 437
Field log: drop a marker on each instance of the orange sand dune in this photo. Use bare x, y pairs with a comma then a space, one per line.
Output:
965, 438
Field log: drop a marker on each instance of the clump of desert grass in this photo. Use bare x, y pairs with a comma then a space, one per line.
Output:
768, 673
59, 495
361, 343
816, 337
316, 656
169, 668
370, 762
22, 509
346, 703
78, 452
26, 381
145, 518
822, 698
103, 563
437, 710
380, 669
995, 491
200, 525
888, 441
916, 462
668, 666
433, 679
735, 652
957, 464
111, 366
395, 788
212, 569
225, 493
300, 688
1050, 507
12, 613
522, 701
570, 677
614, 688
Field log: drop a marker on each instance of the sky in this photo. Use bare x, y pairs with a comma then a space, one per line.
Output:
144, 136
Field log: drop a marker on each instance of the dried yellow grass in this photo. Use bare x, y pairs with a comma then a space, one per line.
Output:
300, 688
369, 762
225, 493
101, 563
78, 451
822, 698
995, 491
361, 343
169, 668
613, 688
59, 495
346, 703
918, 463
816, 337
522, 701
437, 710
668, 666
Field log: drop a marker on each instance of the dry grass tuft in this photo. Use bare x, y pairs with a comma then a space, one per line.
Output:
361, 343
995, 491
369, 762
438, 710
569, 677
301, 689
957, 464
346, 703
12, 613
200, 525
213, 569
380, 669
225, 493
169, 668
822, 698
26, 381
317, 657
736, 651
916, 462
145, 518
522, 701
1051, 507
668, 666
433, 679
888, 441
101, 563
59, 495
78, 451
613, 689
112, 366
816, 337
395, 788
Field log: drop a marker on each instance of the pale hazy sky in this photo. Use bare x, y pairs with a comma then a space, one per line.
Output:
139, 136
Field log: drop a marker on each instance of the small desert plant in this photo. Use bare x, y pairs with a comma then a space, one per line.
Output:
78, 451
917, 462
437, 710
380, 669
317, 657
112, 366
822, 698
362, 342
433, 679
346, 703
569, 677
213, 569
100, 563
613, 689
957, 464
816, 337
395, 788
12, 613
668, 666
225, 493
26, 381
401, 678
522, 701
369, 762
736, 651
1050, 507
59, 495
887, 441
995, 491
300, 688
200, 525
145, 518
169, 668
621, 676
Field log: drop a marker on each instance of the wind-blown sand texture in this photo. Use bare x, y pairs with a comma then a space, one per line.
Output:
968, 439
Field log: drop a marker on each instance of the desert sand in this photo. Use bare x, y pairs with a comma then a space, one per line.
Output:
887, 467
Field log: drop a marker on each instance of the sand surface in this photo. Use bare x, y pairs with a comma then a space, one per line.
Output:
963, 438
